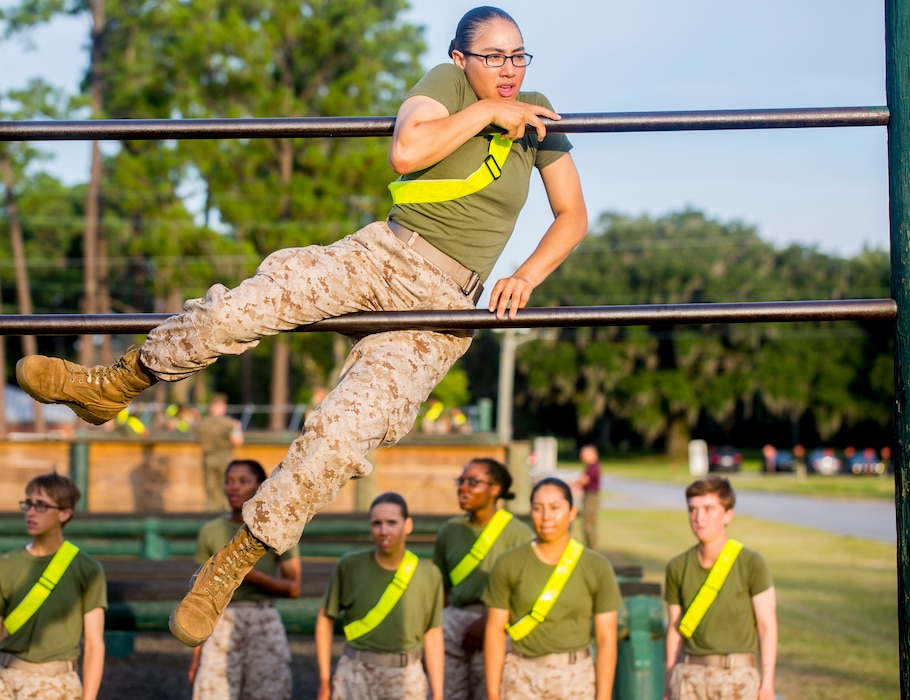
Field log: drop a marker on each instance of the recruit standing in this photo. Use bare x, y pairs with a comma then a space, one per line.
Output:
544, 596
466, 548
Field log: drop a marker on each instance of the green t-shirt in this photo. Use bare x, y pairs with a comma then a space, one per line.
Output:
455, 538
729, 626
54, 632
474, 229
215, 436
358, 583
519, 577
217, 533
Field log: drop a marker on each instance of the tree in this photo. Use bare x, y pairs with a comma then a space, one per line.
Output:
37, 100
665, 380
28, 14
270, 58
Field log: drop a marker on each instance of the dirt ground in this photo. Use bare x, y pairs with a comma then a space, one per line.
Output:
156, 670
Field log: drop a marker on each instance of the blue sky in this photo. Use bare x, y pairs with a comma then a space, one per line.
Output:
817, 187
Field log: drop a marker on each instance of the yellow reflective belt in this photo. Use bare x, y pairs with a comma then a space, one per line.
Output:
551, 591
481, 547
387, 601
42, 588
710, 588
425, 191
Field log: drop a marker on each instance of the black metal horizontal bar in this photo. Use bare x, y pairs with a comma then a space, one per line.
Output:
555, 317
314, 127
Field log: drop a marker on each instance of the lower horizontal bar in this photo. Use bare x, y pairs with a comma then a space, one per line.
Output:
554, 317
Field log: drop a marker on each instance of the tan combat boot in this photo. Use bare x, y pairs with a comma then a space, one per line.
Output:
96, 394
211, 589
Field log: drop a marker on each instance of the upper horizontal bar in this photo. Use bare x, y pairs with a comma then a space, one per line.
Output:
555, 317
314, 127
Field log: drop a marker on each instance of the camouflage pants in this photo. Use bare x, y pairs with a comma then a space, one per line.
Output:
246, 658
356, 680
16, 684
691, 682
213, 467
536, 679
465, 678
590, 508
385, 379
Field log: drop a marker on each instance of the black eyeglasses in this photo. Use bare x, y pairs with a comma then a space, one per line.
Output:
498, 60
471, 481
39, 506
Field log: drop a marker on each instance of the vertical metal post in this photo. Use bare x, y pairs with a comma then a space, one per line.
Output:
79, 472
897, 67
506, 386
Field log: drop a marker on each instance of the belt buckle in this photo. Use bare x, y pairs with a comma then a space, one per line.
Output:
403, 659
728, 661
471, 287
573, 657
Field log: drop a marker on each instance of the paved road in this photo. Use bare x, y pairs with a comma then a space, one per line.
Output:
867, 519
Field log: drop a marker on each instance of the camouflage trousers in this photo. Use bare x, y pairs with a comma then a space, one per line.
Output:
385, 379
590, 509
16, 684
692, 682
541, 679
246, 658
465, 678
356, 680
213, 467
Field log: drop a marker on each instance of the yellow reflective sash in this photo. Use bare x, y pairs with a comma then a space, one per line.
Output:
387, 601
710, 588
426, 191
551, 591
481, 547
42, 588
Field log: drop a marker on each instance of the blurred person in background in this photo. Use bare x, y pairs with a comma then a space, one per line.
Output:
219, 434
589, 483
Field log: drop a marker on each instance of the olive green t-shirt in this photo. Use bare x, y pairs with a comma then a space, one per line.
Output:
729, 626
517, 580
454, 540
474, 229
217, 533
54, 632
358, 583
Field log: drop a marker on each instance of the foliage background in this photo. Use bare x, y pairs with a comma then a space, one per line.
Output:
176, 217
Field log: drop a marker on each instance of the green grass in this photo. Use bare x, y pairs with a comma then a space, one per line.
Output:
837, 597
676, 471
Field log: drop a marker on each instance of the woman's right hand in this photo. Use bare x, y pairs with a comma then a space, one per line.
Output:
514, 117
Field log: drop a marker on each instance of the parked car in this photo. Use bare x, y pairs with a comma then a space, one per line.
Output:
866, 461
824, 460
784, 461
724, 459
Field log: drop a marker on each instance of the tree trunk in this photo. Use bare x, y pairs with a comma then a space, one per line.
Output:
24, 297
280, 394
281, 356
93, 192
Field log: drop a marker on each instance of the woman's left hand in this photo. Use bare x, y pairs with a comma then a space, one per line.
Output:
509, 295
